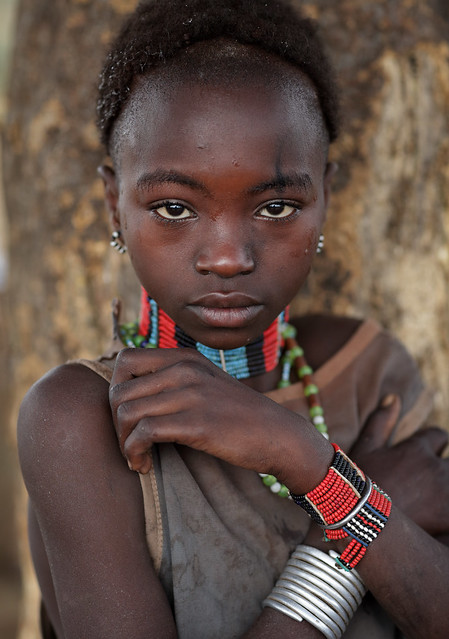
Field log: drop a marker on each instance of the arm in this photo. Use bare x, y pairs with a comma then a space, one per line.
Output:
89, 512
86, 519
260, 435
417, 478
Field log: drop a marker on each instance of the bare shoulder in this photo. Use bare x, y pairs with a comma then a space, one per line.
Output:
65, 409
87, 509
322, 335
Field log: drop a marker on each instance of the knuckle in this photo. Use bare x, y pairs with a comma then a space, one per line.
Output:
113, 394
187, 371
124, 356
132, 448
124, 413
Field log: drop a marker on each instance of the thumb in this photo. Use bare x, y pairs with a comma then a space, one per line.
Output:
379, 426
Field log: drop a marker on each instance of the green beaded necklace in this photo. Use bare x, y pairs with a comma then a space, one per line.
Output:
294, 356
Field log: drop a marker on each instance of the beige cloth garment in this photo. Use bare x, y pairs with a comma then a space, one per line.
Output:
219, 538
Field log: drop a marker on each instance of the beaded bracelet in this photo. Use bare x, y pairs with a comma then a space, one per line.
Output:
347, 504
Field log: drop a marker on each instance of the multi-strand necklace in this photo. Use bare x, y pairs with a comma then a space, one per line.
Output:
155, 329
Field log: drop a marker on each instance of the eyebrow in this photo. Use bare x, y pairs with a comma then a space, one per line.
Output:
149, 180
303, 181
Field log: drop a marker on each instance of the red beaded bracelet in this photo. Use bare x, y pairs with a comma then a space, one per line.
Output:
347, 504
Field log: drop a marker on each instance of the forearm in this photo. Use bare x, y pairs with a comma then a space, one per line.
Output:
272, 623
408, 573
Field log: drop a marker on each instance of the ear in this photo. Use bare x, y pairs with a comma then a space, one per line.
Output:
111, 193
329, 172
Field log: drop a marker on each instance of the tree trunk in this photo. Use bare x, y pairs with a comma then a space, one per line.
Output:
62, 271
386, 252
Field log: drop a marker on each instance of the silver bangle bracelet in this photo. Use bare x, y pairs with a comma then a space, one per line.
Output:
331, 614
336, 601
332, 589
313, 589
351, 576
350, 580
313, 615
352, 602
281, 604
351, 592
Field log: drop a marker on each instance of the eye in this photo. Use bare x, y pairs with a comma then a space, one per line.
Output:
278, 210
172, 211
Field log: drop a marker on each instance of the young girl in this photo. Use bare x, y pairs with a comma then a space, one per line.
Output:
217, 118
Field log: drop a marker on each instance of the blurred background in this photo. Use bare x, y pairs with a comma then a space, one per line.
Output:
386, 253
10, 584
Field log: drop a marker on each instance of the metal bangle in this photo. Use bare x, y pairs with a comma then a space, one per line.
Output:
330, 572
281, 606
364, 498
344, 576
308, 599
309, 573
312, 614
352, 576
320, 588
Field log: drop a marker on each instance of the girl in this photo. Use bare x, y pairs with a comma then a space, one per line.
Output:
218, 118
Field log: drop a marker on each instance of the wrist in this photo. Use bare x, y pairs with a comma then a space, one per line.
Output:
308, 465
347, 505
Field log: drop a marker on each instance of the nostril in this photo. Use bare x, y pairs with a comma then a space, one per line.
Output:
225, 262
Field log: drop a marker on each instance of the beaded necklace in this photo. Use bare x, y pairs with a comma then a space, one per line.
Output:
294, 357
155, 329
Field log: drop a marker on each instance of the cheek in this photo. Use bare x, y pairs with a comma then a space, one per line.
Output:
305, 247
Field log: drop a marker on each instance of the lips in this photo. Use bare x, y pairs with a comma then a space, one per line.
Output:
226, 310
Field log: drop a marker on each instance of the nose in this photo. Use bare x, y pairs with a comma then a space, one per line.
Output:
226, 252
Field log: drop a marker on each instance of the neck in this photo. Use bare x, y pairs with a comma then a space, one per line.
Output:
158, 330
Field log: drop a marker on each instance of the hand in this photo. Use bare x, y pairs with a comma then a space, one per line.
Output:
411, 472
177, 395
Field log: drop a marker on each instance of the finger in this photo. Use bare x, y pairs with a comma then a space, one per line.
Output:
163, 429
131, 413
435, 437
379, 426
149, 384
136, 362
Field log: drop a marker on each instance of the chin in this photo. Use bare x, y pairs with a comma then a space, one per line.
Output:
226, 339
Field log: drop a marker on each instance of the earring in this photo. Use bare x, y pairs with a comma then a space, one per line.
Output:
117, 242
320, 244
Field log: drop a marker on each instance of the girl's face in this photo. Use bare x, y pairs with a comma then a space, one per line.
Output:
221, 196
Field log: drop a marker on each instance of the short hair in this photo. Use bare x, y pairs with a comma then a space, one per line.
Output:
157, 32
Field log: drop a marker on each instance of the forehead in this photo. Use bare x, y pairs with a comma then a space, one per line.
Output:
261, 119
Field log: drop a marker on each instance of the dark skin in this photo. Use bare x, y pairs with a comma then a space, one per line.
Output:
224, 198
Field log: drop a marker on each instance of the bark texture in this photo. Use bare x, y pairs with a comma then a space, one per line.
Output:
386, 252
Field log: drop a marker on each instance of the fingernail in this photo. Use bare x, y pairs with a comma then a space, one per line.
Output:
130, 466
388, 400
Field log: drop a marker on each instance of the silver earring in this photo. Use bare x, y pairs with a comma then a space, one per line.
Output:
117, 242
320, 244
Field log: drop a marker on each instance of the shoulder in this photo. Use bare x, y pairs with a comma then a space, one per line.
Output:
322, 336
64, 415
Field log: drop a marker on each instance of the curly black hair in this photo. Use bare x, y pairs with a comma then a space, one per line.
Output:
157, 32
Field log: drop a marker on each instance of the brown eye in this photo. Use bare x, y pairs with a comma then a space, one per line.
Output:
173, 211
277, 210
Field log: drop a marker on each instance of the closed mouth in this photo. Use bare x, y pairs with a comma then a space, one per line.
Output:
226, 311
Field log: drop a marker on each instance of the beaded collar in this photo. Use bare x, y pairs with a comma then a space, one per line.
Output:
155, 329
